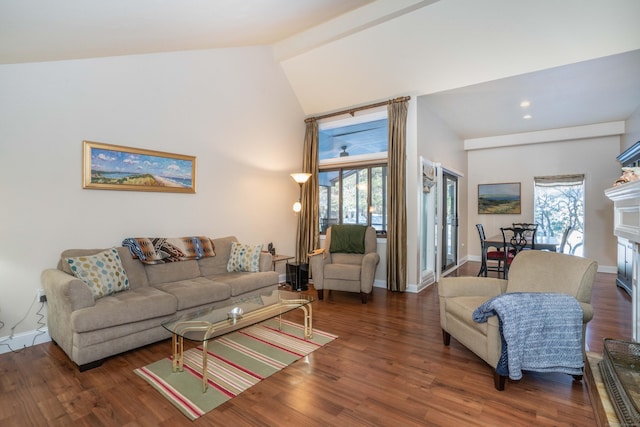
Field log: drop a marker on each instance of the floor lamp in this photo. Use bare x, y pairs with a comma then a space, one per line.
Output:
300, 178
300, 281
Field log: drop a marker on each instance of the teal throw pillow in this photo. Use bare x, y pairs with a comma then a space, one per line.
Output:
244, 258
102, 273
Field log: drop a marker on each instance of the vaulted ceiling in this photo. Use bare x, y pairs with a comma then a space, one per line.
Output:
34, 31
599, 90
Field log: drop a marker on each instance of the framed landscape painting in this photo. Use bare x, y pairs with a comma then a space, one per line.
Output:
499, 198
114, 167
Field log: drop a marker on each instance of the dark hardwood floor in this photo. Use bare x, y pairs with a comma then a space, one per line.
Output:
387, 368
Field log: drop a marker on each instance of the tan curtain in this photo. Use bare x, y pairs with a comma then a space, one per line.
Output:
308, 225
397, 210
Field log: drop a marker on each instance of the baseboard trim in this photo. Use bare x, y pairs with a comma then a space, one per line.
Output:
608, 269
24, 340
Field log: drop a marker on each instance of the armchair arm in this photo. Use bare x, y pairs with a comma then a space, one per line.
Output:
471, 286
587, 312
368, 271
317, 260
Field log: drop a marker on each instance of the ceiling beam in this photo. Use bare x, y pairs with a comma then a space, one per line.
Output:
345, 25
550, 135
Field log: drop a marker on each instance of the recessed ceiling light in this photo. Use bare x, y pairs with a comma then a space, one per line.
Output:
525, 104
527, 116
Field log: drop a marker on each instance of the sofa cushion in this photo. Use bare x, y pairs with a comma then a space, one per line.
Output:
172, 272
244, 258
102, 273
195, 292
241, 283
126, 331
340, 258
218, 263
122, 308
342, 271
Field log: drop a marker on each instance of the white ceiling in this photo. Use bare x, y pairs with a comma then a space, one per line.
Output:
34, 30
597, 91
601, 90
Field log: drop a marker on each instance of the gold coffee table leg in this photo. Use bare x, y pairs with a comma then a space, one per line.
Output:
205, 381
178, 353
308, 320
308, 317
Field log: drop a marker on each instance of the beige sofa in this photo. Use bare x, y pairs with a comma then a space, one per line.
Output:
90, 330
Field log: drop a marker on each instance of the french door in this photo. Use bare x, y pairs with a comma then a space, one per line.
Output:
449, 245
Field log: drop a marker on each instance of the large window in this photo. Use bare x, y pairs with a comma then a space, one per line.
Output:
354, 196
558, 206
353, 173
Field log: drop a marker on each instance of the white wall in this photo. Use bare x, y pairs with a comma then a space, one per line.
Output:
595, 158
438, 143
231, 108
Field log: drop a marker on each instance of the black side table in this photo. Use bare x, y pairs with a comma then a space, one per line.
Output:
298, 275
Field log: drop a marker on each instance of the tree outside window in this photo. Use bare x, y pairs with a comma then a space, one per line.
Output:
559, 203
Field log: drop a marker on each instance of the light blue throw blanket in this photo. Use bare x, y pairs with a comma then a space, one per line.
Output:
540, 332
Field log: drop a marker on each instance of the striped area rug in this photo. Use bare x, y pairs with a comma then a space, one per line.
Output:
235, 362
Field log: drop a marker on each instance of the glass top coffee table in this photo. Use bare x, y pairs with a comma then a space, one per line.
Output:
204, 325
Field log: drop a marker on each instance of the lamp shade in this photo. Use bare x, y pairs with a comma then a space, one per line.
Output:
297, 207
300, 178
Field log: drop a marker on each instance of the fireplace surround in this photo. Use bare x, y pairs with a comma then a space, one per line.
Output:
626, 199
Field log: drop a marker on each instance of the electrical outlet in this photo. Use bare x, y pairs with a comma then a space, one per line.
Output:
41, 295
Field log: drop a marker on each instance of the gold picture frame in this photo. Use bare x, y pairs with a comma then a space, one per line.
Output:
115, 167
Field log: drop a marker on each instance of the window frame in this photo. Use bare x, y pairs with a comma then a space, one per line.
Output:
556, 182
356, 162
355, 167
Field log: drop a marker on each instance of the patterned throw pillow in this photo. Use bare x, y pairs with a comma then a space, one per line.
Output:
244, 258
102, 272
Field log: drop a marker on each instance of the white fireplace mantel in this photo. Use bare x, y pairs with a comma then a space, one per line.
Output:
626, 198
626, 224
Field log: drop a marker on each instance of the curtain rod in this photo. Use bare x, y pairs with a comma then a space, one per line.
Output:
352, 111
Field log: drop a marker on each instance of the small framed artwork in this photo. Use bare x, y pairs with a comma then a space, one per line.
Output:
114, 167
499, 198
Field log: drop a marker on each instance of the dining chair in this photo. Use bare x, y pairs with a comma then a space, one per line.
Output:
491, 260
514, 241
530, 231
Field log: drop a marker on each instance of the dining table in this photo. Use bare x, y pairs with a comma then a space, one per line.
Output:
544, 243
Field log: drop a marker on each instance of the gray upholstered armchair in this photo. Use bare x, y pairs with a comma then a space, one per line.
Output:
348, 262
531, 271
